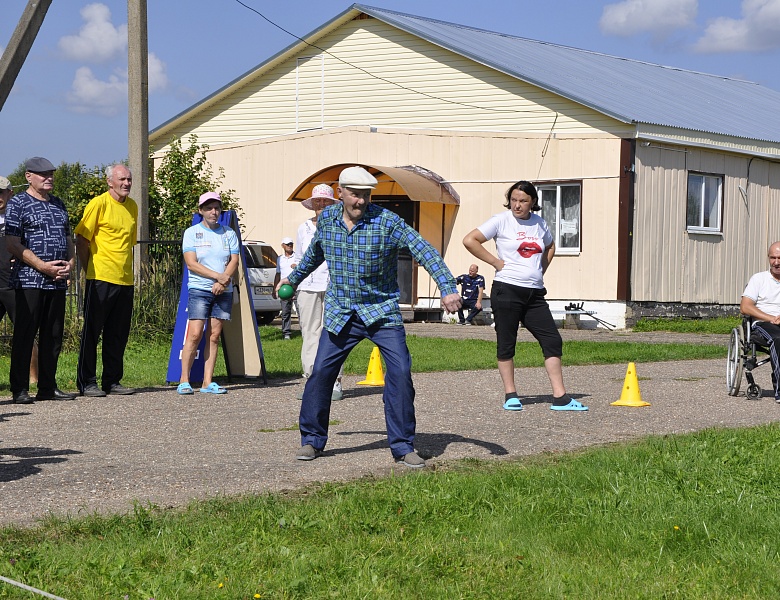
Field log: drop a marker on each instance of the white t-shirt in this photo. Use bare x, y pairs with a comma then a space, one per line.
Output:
319, 279
213, 249
521, 245
283, 265
764, 290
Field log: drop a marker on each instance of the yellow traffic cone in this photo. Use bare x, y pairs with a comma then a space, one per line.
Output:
631, 395
374, 375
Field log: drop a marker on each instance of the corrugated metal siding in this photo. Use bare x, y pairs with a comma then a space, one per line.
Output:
267, 106
724, 142
672, 265
632, 90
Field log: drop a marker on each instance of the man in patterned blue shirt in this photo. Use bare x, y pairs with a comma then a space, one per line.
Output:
360, 243
38, 235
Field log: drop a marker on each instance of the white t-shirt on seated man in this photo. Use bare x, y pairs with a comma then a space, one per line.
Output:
761, 300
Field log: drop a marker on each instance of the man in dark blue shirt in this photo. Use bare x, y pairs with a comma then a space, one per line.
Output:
473, 287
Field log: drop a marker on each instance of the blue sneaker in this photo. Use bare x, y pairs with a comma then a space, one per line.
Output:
572, 405
513, 404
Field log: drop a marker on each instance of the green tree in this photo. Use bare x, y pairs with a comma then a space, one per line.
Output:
182, 175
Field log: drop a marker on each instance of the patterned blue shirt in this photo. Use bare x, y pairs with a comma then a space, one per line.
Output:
44, 229
363, 265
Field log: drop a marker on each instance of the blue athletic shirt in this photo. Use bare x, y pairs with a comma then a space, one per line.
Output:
212, 248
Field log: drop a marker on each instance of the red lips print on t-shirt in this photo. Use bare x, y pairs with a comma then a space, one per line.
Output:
528, 249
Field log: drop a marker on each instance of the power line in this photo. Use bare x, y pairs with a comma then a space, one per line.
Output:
393, 83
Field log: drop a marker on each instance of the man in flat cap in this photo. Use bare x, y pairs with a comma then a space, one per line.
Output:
360, 242
105, 237
38, 235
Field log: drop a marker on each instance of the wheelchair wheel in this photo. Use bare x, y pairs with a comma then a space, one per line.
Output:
753, 392
734, 365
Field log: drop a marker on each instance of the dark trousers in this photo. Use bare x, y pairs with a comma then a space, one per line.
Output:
42, 313
108, 308
286, 316
473, 312
398, 396
770, 333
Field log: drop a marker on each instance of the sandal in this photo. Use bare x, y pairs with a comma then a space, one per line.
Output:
513, 404
184, 389
572, 405
213, 388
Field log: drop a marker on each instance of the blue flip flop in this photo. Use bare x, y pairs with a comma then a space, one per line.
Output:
572, 405
184, 389
213, 388
513, 404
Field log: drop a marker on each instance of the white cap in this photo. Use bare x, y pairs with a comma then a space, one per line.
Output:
357, 178
287, 240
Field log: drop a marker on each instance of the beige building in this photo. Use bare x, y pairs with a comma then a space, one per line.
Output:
659, 201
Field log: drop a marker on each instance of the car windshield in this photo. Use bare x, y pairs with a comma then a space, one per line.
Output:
260, 257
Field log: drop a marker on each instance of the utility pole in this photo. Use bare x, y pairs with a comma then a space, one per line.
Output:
138, 121
19, 46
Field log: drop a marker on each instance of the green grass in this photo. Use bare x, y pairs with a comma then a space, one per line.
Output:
691, 516
680, 325
146, 362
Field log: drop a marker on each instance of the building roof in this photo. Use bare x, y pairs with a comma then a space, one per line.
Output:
628, 90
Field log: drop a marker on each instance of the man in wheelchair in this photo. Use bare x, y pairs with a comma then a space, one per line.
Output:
761, 301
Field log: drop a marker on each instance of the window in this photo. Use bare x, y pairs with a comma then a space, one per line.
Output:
561, 208
704, 203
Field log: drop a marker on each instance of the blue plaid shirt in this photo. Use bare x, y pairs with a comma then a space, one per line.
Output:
363, 265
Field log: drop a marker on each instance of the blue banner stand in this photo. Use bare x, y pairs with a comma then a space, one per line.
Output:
241, 344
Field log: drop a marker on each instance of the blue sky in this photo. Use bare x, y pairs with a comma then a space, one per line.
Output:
69, 102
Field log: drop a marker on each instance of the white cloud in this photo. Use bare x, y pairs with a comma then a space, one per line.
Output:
659, 17
98, 39
90, 95
158, 78
758, 30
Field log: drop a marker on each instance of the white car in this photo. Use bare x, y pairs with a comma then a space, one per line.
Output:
261, 267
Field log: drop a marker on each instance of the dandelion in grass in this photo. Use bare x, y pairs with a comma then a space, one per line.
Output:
677, 528
221, 585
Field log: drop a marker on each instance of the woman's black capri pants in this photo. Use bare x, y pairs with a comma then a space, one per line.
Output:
513, 304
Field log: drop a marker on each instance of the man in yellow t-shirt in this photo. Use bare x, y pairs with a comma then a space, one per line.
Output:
104, 243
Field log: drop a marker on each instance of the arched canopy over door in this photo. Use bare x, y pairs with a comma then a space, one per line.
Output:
420, 196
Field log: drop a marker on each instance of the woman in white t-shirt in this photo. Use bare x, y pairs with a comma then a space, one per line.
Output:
525, 249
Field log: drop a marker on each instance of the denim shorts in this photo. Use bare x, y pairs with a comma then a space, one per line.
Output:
202, 305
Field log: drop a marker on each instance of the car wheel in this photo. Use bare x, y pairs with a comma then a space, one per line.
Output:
266, 318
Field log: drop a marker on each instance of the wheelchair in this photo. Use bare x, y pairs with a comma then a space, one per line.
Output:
743, 357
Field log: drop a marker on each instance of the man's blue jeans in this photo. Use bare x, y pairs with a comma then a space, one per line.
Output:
398, 394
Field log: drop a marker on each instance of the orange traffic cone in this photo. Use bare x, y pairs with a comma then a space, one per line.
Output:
374, 375
631, 395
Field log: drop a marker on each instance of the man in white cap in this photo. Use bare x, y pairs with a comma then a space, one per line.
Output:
360, 243
285, 263
105, 237
310, 293
38, 235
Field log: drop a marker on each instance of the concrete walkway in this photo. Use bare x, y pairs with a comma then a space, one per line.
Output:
99, 455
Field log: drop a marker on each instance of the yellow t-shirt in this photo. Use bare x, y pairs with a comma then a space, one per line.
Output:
110, 227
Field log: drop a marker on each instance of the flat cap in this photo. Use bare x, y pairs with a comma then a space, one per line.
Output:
357, 178
38, 164
5, 184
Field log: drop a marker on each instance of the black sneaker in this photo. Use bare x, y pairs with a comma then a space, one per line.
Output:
23, 398
119, 389
93, 391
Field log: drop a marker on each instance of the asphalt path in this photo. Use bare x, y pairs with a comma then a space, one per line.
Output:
99, 455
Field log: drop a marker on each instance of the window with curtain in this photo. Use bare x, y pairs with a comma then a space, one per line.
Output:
705, 195
561, 208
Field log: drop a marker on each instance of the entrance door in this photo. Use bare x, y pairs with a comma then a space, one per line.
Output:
407, 274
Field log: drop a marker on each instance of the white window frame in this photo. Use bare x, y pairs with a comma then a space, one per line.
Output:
705, 179
556, 230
